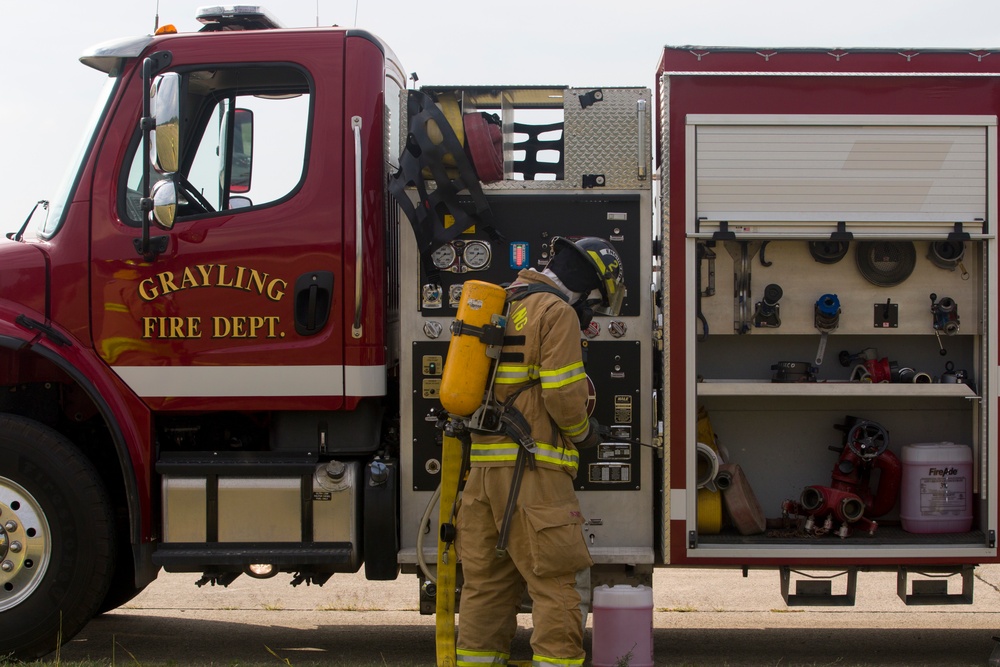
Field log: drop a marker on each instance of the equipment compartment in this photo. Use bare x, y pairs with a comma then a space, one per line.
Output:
785, 418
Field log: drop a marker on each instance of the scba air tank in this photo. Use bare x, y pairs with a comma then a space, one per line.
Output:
467, 366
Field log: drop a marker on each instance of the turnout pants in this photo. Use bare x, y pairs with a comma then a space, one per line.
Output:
545, 550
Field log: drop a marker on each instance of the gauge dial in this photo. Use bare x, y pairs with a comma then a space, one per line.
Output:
476, 255
444, 256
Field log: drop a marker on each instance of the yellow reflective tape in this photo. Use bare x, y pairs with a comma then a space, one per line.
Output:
542, 661
507, 451
561, 377
576, 429
549, 384
476, 658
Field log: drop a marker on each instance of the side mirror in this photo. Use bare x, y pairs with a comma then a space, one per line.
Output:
164, 196
242, 151
165, 104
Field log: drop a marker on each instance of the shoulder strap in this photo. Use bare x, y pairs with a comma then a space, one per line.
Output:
518, 293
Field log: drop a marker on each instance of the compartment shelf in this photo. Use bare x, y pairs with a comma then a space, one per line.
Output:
833, 389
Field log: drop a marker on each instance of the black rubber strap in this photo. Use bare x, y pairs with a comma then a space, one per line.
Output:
508, 512
420, 153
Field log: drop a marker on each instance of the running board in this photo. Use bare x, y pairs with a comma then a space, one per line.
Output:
195, 557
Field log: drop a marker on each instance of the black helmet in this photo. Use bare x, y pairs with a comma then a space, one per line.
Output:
602, 257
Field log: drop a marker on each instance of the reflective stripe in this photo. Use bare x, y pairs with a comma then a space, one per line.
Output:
507, 451
478, 658
576, 429
569, 458
248, 381
561, 377
515, 373
542, 661
503, 451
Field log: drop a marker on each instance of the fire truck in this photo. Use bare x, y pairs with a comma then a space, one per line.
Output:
221, 349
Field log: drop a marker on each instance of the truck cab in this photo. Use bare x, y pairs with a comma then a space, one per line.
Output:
217, 371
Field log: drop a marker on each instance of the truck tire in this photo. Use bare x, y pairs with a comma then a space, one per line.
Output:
122, 588
57, 541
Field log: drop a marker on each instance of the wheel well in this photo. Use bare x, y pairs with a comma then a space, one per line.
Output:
35, 387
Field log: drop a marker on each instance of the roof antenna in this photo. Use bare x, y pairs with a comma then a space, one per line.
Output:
156, 20
356, 2
317, 13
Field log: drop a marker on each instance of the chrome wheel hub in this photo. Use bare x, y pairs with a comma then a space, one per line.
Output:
25, 544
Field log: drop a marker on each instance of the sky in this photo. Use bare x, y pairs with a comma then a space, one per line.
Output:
48, 94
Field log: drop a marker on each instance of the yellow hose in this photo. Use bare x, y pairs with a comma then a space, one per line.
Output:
451, 468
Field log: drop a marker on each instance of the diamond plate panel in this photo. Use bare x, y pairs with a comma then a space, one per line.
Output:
610, 138
604, 138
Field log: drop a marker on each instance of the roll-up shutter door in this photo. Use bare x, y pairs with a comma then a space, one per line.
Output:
850, 173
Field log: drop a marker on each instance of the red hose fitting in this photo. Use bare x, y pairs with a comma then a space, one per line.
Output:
879, 370
845, 506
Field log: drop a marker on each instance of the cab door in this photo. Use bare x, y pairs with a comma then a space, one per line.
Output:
242, 305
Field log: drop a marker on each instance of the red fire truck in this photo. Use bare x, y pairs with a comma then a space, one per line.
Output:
222, 348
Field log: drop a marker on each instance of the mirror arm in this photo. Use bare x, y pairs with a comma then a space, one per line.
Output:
149, 248
146, 125
227, 176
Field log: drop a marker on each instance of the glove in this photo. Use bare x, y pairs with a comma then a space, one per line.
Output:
593, 437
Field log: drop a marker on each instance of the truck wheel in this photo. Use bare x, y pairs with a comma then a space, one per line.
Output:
122, 588
56, 539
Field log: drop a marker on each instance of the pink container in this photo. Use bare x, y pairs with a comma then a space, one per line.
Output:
623, 624
936, 493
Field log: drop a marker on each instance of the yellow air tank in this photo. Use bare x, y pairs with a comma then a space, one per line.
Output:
467, 367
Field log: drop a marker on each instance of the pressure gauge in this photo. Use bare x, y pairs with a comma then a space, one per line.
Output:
443, 257
476, 255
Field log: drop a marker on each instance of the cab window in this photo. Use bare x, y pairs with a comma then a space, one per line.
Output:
244, 141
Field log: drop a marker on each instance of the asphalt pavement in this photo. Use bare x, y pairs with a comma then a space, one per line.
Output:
700, 617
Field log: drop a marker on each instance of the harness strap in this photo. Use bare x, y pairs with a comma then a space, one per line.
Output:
508, 512
518, 292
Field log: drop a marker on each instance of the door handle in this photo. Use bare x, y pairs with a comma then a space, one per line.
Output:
358, 227
313, 300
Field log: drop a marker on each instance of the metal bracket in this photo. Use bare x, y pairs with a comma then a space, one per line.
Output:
588, 99
842, 234
816, 591
934, 590
724, 234
959, 234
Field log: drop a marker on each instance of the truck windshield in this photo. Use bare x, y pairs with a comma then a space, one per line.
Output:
59, 203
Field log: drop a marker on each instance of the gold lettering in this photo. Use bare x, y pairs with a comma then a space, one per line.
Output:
239, 327
147, 290
189, 280
213, 275
273, 291
171, 327
206, 273
245, 326
167, 282
220, 327
256, 280
221, 282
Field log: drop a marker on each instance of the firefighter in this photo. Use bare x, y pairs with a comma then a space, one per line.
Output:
519, 523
